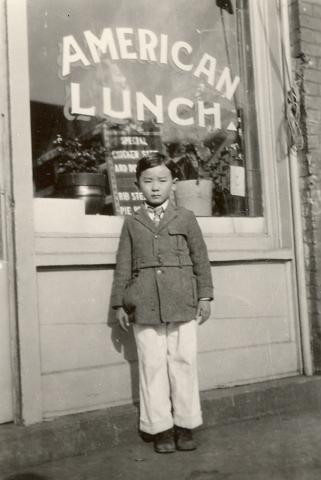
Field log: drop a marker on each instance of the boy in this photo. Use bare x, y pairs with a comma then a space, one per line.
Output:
163, 285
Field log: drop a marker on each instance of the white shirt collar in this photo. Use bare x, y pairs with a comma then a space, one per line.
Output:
163, 205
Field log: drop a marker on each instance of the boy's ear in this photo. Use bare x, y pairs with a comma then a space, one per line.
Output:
136, 184
175, 180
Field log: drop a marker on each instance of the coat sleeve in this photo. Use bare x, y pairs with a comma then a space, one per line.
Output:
123, 271
199, 256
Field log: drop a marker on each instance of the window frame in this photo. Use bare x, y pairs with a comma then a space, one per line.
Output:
221, 233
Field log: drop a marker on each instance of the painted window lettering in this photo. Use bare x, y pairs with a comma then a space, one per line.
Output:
157, 51
143, 45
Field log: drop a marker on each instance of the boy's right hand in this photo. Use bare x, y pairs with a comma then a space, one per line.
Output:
122, 318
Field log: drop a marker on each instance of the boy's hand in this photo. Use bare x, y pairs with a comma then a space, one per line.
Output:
203, 311
122, 318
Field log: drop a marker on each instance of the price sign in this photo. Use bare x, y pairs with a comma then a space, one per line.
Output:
125, 148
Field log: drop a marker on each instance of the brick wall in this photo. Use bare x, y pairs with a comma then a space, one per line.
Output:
305, 27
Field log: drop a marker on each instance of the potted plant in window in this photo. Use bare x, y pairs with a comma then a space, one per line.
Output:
194, 187
79, 172
202, 171
226, 152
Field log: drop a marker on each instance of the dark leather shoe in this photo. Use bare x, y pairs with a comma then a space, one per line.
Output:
184, 439
164, 442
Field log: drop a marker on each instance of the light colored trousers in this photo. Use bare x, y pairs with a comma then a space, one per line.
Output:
168, 380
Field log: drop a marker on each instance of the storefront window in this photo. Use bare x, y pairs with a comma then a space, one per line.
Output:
111, 81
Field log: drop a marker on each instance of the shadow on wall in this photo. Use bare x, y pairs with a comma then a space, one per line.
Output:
26, 476
125, 343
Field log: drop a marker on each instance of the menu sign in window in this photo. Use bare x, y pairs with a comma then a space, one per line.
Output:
124, 150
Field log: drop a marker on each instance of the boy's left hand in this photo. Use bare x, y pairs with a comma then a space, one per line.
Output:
203, 311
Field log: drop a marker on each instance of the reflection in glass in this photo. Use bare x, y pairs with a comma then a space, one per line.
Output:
127, 77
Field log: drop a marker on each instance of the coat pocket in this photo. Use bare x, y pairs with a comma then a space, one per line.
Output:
178, 236
187, 287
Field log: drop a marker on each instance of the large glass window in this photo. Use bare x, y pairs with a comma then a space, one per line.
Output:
111, 81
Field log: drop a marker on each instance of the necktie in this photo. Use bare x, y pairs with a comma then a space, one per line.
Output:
157, 213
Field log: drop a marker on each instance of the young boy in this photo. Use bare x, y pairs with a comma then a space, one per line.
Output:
163, 285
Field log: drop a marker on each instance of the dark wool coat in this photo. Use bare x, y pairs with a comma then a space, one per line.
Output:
162, 271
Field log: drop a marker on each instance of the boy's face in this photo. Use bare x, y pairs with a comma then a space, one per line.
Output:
156, 184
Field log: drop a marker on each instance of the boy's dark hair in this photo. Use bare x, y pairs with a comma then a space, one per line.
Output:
154, 160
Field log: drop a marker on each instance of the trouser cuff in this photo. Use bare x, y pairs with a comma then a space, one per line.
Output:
188, 422
153, 428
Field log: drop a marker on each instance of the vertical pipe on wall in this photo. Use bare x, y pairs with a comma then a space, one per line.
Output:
296, 209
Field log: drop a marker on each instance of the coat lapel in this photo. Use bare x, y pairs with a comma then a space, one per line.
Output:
142, 216
169, 215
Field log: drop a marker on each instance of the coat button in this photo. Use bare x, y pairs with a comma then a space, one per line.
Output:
159, 271
156, 236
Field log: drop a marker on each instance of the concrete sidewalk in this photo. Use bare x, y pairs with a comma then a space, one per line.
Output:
272, 448
269, 430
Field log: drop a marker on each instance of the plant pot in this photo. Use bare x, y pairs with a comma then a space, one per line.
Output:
90, 187
196, 196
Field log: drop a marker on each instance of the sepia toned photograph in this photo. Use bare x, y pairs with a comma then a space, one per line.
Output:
160, 240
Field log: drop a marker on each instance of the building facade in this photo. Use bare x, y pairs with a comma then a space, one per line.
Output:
212, 92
